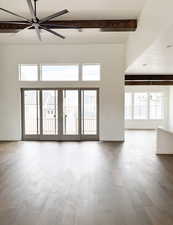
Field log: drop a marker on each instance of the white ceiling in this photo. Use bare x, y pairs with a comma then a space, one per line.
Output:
89, 36
97, 9
89, 9
157, 59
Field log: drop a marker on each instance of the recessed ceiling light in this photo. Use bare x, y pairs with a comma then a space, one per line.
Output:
169, 46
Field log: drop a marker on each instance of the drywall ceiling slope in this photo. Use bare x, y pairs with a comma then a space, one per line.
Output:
158, 58
155, 19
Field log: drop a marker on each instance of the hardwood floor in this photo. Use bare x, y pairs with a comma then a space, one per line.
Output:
87, 183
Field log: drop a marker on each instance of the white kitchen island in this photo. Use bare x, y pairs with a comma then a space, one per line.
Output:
164, 141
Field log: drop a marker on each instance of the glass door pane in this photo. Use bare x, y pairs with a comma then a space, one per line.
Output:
50, 112
31, 112
89, 112
70, 112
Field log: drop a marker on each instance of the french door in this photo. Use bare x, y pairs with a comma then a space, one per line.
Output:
60, 114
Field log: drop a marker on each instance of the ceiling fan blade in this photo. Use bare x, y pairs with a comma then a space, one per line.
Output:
36, 29
14, 22
46, 19
23, 30
32, 11
52, 32
14, 14
19, 32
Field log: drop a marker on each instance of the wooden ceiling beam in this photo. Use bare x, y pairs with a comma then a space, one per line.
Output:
138, 83
143, 77
104, 25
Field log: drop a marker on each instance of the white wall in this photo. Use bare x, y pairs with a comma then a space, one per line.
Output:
149, 124
112, 59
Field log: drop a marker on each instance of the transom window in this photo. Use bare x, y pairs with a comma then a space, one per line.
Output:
91, 72
59, 72
28, 72
54, 72
144, 106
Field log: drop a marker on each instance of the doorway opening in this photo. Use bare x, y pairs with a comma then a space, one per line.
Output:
60, 114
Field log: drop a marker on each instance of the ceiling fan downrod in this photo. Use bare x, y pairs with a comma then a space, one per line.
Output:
35, 7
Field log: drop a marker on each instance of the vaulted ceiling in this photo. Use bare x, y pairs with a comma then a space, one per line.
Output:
150, 48
157, 59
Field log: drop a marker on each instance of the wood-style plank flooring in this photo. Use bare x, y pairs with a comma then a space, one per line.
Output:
87, 183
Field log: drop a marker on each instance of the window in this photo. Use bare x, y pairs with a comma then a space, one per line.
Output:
140, 106
91, 72
28, 72
88, 72
59, 72
156, 106
128, 106
144, 106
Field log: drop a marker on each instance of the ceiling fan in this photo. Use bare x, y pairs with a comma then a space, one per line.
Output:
35, 22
